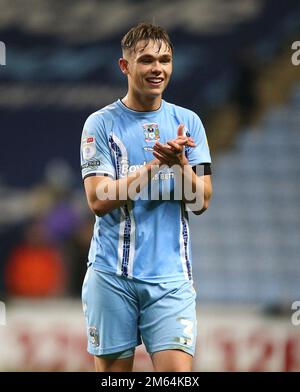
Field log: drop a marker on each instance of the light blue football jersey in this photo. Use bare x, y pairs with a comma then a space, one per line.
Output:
146, 239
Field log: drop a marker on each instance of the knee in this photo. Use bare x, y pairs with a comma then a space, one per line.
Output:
176, 367
113, 365
172, 361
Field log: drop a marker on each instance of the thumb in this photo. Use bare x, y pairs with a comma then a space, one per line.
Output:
180, 130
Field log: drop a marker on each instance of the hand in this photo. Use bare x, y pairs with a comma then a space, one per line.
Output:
172, 153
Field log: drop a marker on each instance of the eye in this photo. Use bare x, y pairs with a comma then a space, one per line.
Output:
146, 61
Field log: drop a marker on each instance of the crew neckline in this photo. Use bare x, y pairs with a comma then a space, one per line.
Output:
137, 112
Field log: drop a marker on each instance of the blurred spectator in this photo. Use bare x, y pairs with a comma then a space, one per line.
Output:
77, 252
34, 267
61, 218
61, 221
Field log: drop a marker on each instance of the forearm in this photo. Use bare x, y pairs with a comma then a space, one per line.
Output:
111, 194
196, 189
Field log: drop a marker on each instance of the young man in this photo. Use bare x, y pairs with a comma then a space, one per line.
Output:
139, 285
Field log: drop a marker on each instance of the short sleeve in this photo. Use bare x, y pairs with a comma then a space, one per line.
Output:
94, 149
200, 153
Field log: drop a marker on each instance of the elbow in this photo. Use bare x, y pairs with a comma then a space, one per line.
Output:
203, 209
206, 200
98, 212
97, 209
205, 204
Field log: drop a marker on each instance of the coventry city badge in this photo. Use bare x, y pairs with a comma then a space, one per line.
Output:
151, 134
93, 336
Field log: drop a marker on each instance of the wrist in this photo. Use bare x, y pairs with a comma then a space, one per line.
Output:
184, 161
153, 165
153, 162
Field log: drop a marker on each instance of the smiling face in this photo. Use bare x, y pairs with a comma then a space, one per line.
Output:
148, 68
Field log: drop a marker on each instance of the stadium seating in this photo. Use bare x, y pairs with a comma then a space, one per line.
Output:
246, 247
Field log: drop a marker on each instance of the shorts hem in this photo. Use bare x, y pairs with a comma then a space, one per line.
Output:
108, 351
171, 347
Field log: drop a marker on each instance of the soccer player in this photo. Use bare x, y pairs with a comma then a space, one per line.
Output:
139, 286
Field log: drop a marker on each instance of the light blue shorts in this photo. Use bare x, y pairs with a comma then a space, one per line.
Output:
122, 313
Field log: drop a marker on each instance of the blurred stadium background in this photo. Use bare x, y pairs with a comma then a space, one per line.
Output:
233, 67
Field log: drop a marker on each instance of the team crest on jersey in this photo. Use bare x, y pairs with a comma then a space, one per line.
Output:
93, 336
151, 132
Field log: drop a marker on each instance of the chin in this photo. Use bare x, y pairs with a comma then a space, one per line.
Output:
155, 92
153, 95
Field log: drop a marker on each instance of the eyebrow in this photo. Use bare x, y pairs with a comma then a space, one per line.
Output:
150, 56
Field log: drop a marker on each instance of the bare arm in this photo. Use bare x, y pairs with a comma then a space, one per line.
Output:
104, 194
202, 188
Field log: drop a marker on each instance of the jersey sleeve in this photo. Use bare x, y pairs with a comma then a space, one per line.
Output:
94, 149
200, 153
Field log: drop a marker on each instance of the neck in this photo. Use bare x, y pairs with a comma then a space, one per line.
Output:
142, 103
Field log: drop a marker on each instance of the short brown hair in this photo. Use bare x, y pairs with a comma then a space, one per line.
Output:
145, 32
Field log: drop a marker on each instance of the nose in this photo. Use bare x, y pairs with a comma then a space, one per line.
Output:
156, 68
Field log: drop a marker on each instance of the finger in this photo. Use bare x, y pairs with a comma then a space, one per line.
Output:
157, 155
167, 151
190, 139
170, 156
161, 158
184, 142
180, 130
180, 142
185, 137
175, 146
190, 143
161, 147
158, 144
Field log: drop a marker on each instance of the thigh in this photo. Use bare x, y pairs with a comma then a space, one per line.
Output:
168, 317
111, 314
172, 361
118, 362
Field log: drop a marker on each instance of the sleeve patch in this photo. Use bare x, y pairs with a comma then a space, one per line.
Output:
88, 149
91, 164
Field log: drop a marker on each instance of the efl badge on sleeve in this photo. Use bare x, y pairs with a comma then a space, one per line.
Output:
88, 148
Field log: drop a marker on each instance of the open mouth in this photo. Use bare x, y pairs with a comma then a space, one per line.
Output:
155, 81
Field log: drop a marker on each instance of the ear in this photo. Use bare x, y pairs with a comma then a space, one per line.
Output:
123, 64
